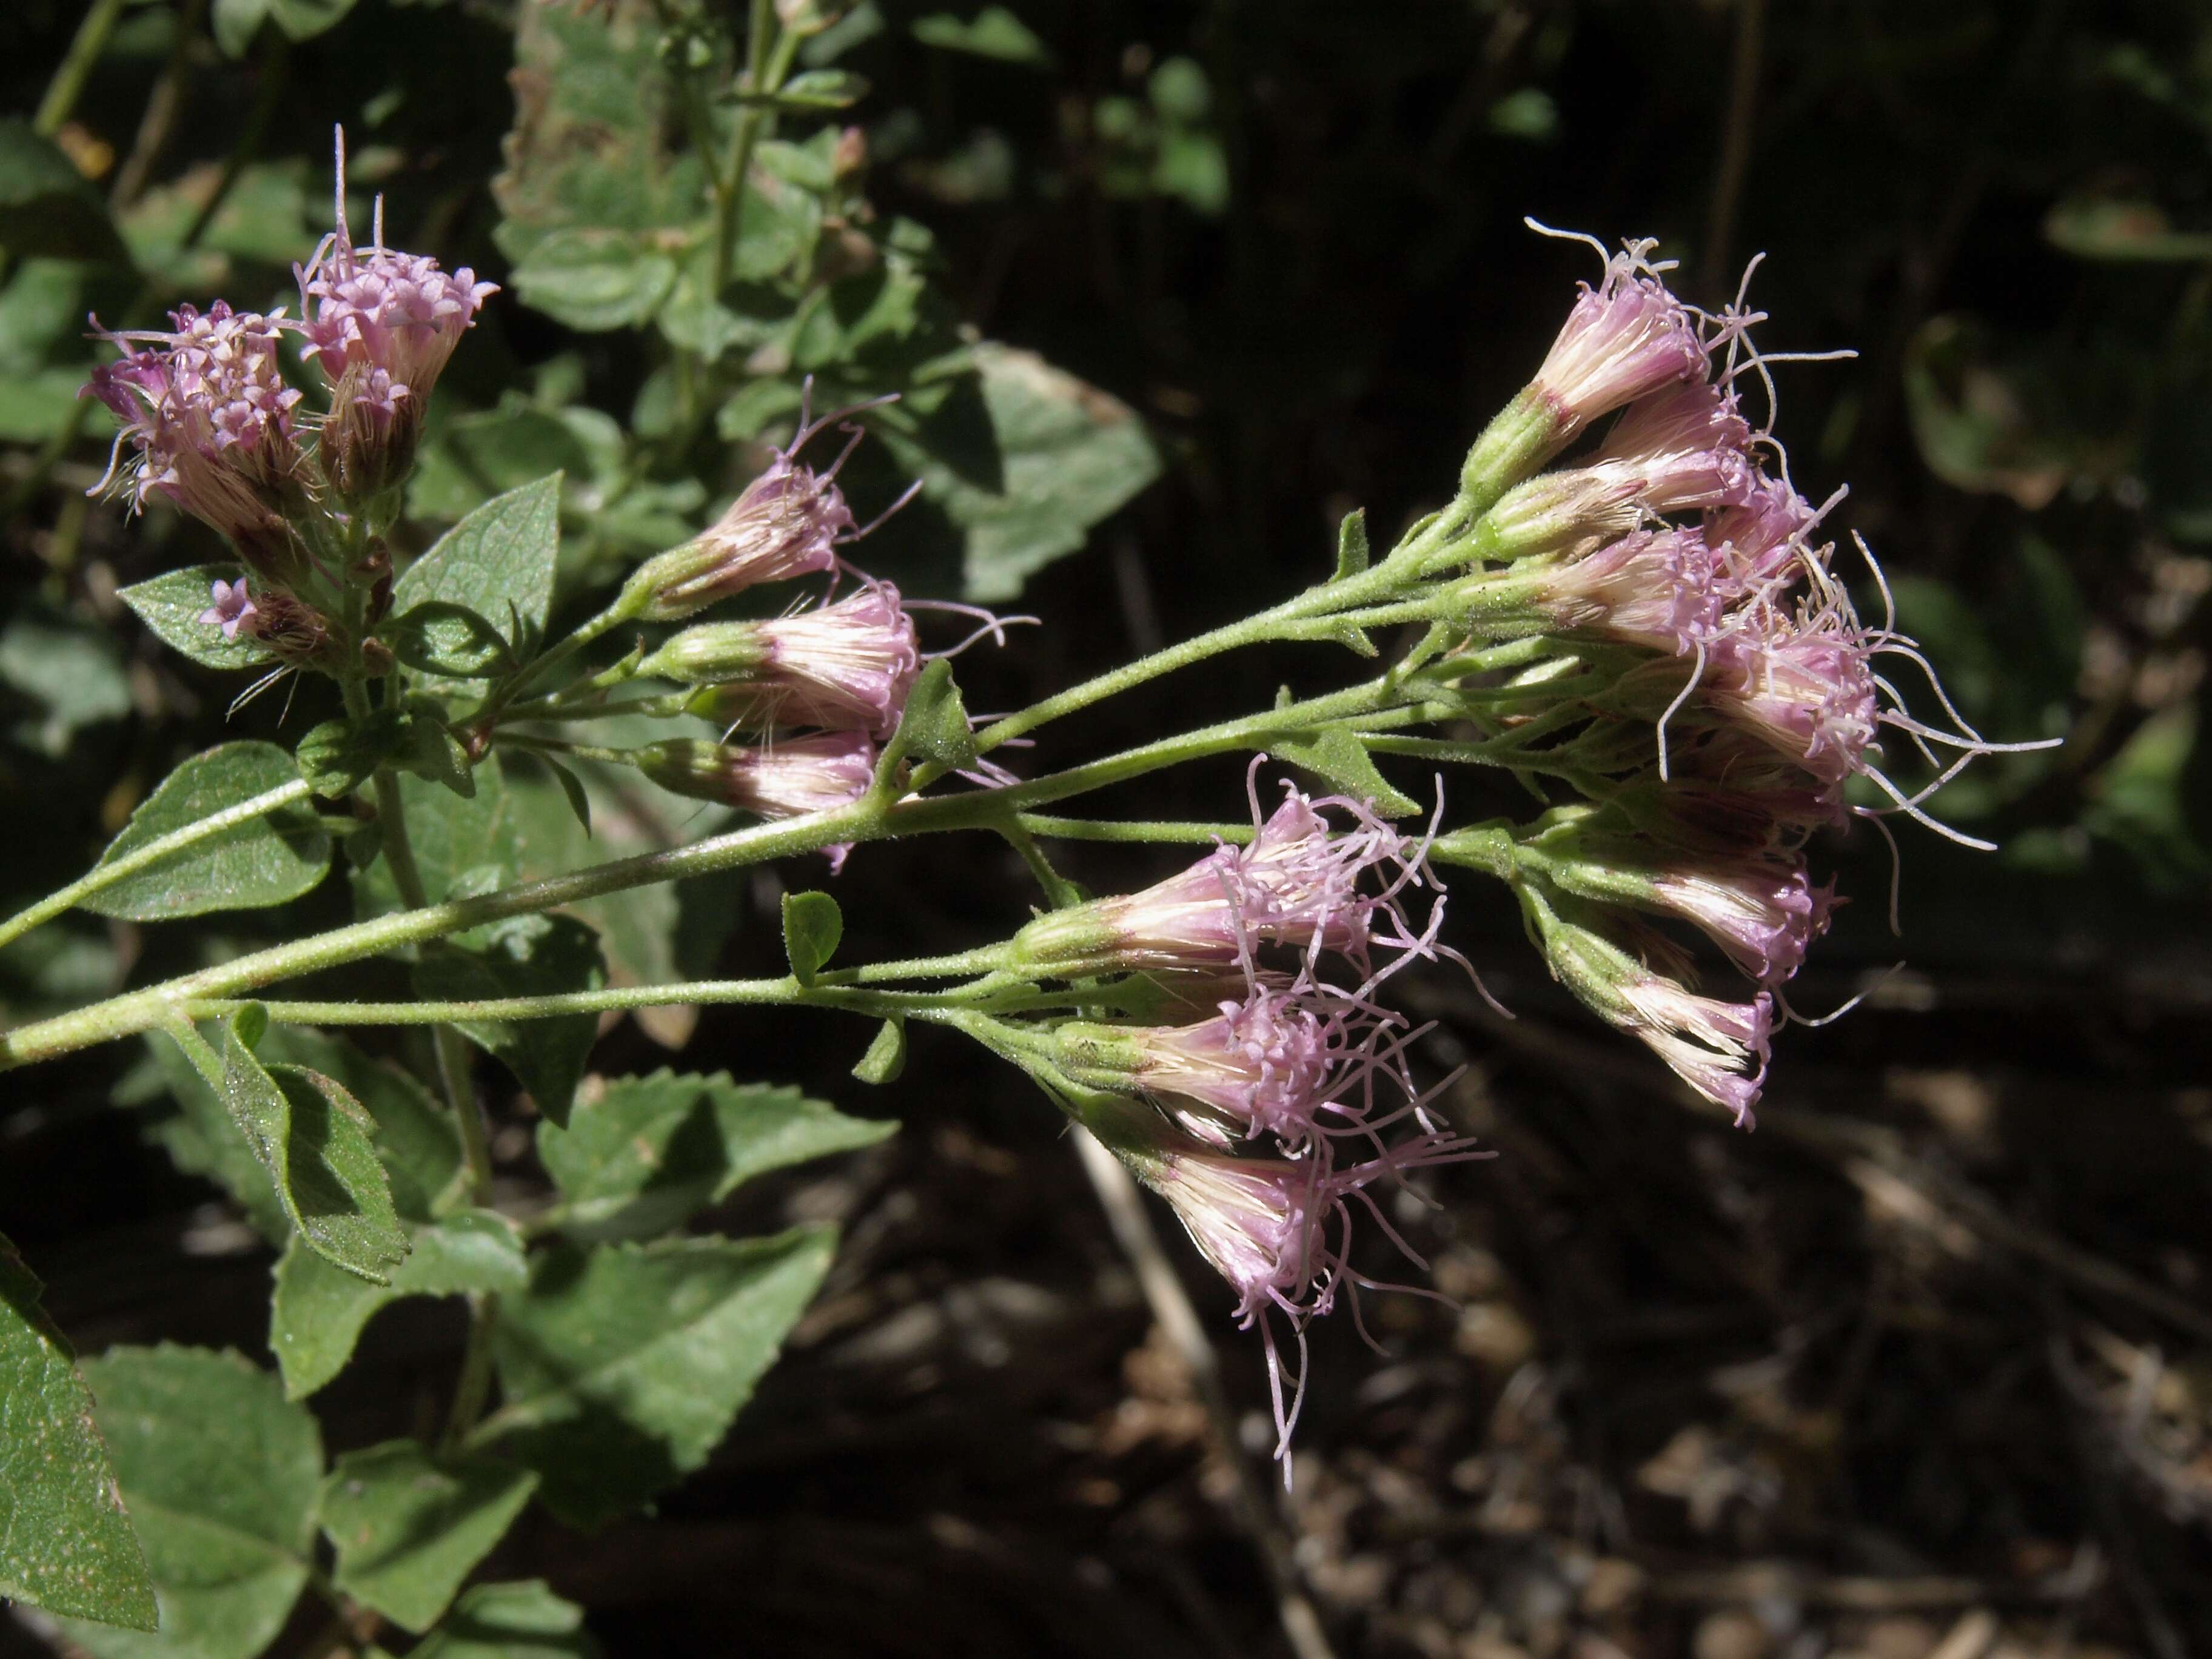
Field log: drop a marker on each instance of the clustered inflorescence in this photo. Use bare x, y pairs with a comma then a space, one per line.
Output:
1647, 636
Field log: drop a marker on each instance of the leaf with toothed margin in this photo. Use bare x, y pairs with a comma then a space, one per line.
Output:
409, 1527
66, 1543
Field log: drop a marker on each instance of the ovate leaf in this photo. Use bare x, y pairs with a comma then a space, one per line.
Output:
172, 605
266, 859
812, 925
220, 1477
315, 1141
408, 1527
319, 1312
623, 1366
65, 1544
1070, 455
524, 1620
525, 957
641, 1154
497, 562
417, 1139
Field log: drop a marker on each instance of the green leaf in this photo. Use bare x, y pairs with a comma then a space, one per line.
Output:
266, 860
220, 1475
337, 756
417, 1139
408, 1527
202, 1139
449, 640
1070, 455
994, 32
523, 1621
571, 790
934, 725
498, 563
595, 280
467, 461
65, 1544
171, 606
318, 1311
47, 206
302, 19
1352, 553
1338, 757
235, 22
524, 957
812, 925
813, 89
71, 672
886, 1056
2098, 228
315, 1139
641, 1154
622, 1366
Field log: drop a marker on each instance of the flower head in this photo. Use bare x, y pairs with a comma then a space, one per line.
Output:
377, 308
1624, 340
847, 666
787, 523
1296, 883
1804, 685
1652, 589
778, 780
209, 420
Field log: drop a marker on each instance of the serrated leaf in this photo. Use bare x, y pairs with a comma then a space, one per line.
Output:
812, 926
1070, 454
202, 1139
47, 206
417, 1139
172, 605
623, 1366
315, 1142
266, 860
525, 957
498, 563
641, 1154
1339, 758
318, 1311
885, 1058
594, 279
220, 1475
408, 1527
523, 1621
66, 1543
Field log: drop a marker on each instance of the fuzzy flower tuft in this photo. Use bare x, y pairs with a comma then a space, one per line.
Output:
780, 780
1624, 340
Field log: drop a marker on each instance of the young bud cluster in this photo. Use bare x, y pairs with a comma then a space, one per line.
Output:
214, 430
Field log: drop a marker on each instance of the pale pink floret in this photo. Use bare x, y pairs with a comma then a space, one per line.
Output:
1653, 588
849, 665
1807, 687
796, 776
1719, 1048
1296, 883
232, 607
1759, 540
1623, 340
380, 309
1295, 1062
1763, 912
205, 408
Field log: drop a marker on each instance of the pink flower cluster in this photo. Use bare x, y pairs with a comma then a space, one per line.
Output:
1291, 1063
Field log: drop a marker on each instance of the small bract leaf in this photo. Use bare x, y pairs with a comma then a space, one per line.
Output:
934, 727
622, 1366
523, 1621
65, 1544
408, 1527
641, 1154
1339, 758
1352, 554
526, 956
886, 1056
812, 925
172, 605
318, 1311
264, 860
220, 1476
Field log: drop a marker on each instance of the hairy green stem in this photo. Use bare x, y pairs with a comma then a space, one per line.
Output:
153, 853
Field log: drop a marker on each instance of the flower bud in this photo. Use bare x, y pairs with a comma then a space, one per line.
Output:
782, 779
845, 666
787, 524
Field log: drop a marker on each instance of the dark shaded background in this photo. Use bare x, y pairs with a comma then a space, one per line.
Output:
1919, 1366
